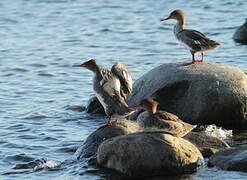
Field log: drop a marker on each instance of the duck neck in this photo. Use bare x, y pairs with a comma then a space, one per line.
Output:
152, 110
180, 25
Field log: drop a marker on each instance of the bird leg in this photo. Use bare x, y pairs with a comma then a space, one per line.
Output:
110, 122
193, 59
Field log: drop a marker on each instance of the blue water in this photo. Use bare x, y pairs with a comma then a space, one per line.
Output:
39, 90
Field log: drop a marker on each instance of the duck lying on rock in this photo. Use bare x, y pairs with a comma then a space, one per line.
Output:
163, 120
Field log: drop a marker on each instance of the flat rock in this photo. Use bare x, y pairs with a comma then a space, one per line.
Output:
233, 159
90, 146
205, 93
146, 154
241, 34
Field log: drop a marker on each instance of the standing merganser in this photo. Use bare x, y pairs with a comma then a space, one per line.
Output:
111, 88
162, 120
192, 39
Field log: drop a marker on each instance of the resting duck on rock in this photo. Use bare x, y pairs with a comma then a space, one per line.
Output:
162, 120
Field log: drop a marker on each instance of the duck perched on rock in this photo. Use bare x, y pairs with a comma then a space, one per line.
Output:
111, 87
192, 39
163, 120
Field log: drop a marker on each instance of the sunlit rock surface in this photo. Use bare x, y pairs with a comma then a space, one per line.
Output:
148, 154
205, 93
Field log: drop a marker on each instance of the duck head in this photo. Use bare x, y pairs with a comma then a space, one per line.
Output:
90, 65
148, 104
177, 15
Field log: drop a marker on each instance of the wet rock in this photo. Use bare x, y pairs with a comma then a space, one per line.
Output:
94, 106
233, 159
90, 146
241, 34
149, 153
208, 145
205, 93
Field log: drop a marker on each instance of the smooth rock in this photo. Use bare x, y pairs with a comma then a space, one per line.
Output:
90, 146
233, 159
241, 34
146, 154
205, 93
208, 145
94, 106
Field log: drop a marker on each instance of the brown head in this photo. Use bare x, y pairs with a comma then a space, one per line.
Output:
177, 15
91, 65
149, 105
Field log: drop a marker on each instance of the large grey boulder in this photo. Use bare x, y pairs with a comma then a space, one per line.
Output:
233, 159
205, 93
90, 146
149, 154
241, 34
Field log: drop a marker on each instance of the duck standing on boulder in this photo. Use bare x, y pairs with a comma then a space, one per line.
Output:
192, 39
163, 120
111, 88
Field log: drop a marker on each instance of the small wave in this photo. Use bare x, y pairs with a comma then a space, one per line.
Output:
20, 70
75, 108
37, 65
19, 157
45, 74
70, 150
105, 30
36, 116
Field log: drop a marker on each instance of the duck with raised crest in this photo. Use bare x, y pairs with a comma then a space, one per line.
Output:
192, 39
111, 88
162, 120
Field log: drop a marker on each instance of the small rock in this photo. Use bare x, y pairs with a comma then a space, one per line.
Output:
241, 34
148, 154
94, 106
233, 159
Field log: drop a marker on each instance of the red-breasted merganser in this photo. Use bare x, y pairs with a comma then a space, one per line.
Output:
111, 88
162, 120
192, 39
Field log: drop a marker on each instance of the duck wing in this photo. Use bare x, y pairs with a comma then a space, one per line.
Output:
123, 74
196, 40
111, 86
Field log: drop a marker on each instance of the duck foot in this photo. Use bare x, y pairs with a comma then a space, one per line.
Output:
110, 122
193, 62
107, 124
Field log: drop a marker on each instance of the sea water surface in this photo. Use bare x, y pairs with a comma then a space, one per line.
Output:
42, 96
